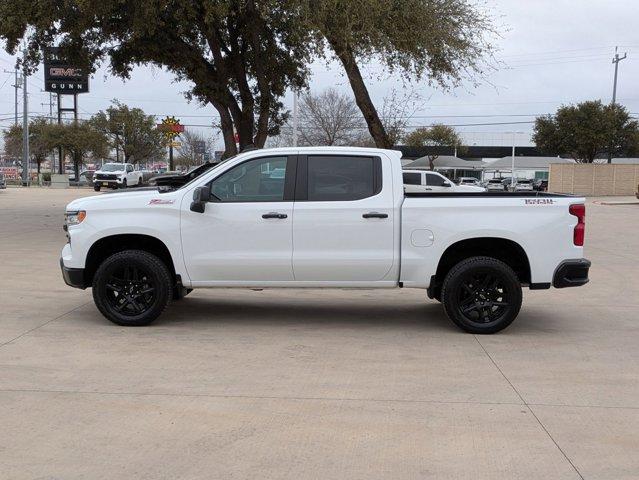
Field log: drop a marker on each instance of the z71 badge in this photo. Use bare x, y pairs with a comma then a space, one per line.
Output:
539, 201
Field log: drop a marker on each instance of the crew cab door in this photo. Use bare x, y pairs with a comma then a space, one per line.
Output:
245, 232
437, 183
130, 174
343, 219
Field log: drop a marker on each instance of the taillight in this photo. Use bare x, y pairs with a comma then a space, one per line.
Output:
579, 211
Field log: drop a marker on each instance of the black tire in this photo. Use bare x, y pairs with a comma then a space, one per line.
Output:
96, 188
123, 183
481, 295
180, 292
132, 288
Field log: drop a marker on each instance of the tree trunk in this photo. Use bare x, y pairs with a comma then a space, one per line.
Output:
76, 166
226, 125
362, 98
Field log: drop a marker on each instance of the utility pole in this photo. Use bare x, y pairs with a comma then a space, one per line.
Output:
16, 86
25, 123
295, 118
616, 61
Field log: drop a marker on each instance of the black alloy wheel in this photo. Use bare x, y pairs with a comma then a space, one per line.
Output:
132, 288
482, 295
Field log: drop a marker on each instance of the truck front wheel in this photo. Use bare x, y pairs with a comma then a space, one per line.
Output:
481, 295
132, 288
96, 188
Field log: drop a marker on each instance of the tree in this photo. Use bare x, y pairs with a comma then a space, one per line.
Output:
130, 131
437, 135
80, 139
241, 56
439, 40
330, 118
41, 141
194, 147
587, 130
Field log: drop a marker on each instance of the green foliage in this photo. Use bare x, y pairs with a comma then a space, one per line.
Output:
437, 135
440, 41
130, 132
241, 56
41, 140
587, 130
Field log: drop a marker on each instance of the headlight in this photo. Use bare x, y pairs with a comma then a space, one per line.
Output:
74, 218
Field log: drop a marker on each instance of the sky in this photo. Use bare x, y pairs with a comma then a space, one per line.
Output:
549, 53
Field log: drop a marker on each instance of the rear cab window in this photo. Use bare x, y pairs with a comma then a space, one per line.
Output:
412, 178
339, 178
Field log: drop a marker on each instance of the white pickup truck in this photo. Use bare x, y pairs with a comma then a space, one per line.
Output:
322, 217
116, 175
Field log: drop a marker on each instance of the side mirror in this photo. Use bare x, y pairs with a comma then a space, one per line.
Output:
446, 184
201, 195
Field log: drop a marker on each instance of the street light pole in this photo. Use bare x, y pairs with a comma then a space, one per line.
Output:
25, 123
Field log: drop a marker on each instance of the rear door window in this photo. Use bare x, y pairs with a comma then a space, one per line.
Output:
412, 178
342, 178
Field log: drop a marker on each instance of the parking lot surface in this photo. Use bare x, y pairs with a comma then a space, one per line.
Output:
325, 384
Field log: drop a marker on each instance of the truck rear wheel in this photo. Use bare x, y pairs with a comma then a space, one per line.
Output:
132, 288
481, 295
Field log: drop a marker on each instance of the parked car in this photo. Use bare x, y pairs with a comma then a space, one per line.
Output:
86, 178
172, 180
3, 182
541, 185
495, 185
339, 218
468, 181
429, 181
523, 185
117, 175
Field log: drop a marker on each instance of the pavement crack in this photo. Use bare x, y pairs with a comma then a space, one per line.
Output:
528, 406
43, 324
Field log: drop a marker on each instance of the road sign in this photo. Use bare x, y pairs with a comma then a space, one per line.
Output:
62, 77
175, 144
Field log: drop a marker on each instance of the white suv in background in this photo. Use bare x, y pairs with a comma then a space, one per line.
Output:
117, 175
416, 181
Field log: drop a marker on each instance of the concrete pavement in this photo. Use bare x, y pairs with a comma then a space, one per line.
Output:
326, 384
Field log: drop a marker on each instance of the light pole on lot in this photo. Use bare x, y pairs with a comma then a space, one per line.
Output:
26, 179
512, 160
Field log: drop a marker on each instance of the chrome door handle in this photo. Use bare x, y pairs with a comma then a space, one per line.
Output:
275, 215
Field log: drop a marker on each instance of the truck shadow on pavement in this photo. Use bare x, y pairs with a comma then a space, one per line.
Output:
284, 312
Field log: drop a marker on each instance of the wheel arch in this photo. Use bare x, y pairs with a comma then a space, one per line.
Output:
506, 250
107, 246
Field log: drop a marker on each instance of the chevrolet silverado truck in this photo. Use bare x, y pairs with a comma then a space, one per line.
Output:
322, 217
116, 175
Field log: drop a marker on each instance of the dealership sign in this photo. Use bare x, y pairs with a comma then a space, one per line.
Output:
60, 77
170, 128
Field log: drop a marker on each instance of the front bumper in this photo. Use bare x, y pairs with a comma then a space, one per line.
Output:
74, 277
571, 273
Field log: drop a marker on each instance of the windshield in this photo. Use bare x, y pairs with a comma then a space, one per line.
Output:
112, 167
211, 169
